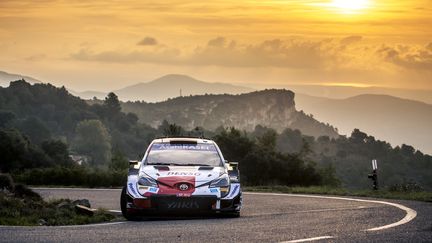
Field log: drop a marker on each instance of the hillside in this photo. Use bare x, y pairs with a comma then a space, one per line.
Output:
34, 119
87, 95
271, 108
169, 86
398, 121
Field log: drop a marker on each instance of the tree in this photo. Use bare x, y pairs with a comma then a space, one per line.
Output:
12, 148
112, 104
93, 139
118, 161
290, 141
17, 152
266, 137
35, 129
173, 131
58, 151
6, 117
358, 136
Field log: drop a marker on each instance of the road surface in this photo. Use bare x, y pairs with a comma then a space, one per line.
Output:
265, 218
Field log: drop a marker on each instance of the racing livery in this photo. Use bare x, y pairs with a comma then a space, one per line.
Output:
182, 175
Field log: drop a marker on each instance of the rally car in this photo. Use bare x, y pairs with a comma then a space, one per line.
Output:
182, 175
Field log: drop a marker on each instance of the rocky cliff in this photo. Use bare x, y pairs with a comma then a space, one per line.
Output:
271, 108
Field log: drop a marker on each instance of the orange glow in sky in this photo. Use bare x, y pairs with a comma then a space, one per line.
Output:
105, 45
350, 4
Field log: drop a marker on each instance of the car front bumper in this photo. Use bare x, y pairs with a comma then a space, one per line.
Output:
174, 204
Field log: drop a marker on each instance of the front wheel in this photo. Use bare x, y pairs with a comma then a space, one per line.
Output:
123, 205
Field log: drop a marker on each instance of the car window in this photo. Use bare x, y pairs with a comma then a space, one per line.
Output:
183, 155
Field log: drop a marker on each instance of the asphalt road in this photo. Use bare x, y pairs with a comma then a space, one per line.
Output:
265, 218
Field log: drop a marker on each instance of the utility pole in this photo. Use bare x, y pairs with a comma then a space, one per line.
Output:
374, 175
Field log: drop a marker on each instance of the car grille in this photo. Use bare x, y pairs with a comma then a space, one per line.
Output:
183, 203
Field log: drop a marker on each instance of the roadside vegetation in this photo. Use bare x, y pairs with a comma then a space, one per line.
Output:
387, 193
49, 137
21, 206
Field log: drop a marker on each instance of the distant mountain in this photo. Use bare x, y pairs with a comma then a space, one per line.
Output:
343, 92
173, 85
6, 78
87, 95
389, 118
271, 108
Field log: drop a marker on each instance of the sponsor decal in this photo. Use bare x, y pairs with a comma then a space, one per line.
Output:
183, 204
234, 191
177, 173
182, 194
214, 190
197, 147
153, 189
132, 189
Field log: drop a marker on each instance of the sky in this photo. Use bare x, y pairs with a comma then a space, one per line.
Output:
107, 45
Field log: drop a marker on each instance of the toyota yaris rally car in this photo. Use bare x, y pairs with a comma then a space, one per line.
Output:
182, 175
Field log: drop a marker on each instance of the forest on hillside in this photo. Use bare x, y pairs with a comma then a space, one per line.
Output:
45, 131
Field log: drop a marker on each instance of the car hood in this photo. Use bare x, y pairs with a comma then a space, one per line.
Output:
201, 174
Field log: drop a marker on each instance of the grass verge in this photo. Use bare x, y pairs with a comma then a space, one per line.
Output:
32, 212
404, 195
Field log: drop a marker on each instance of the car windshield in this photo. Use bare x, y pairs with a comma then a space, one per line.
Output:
184, 154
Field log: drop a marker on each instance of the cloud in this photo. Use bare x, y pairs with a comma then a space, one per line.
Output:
151, 56
217, 42
35, 58
411, 57
295, 53
292, 53
148, 41
331, 54
351, 39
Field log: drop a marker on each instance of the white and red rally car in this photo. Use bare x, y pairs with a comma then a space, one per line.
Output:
182, 175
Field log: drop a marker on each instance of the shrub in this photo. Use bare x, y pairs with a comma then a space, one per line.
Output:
6, 182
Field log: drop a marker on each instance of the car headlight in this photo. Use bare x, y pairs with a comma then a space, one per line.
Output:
223, 183
147, 181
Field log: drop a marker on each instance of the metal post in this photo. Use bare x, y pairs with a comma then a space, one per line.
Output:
374, 175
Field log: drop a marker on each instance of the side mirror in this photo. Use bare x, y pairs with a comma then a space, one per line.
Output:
134, 164
233, 165
233, 172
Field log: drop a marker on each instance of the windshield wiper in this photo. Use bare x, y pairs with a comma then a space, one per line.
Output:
163, 164
198, 165
175, 164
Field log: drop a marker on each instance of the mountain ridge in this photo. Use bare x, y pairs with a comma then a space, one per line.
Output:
6, 78
272, 108
396, 120
173, 85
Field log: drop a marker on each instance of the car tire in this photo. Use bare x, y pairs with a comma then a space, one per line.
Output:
123, 202
234, 214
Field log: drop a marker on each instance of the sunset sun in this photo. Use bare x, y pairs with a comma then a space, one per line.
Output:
350, 6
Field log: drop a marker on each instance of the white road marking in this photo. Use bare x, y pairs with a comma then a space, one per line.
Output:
313, 211
410, 213
76, 189
309, 239
332, 209
91, 225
